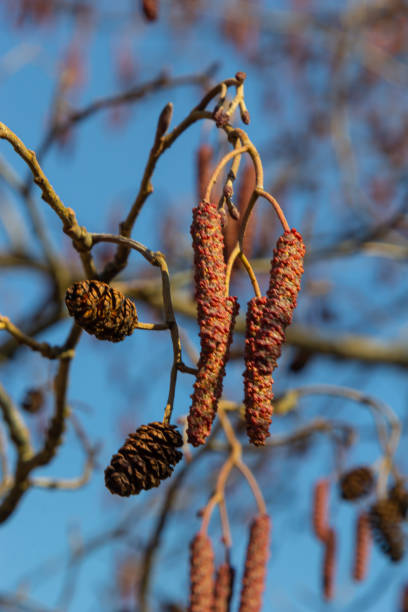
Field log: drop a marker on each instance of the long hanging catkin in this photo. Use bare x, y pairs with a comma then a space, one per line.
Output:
253, 582
362, 547
201, 574
267, 319
216, 317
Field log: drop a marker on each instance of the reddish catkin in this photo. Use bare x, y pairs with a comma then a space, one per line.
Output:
329, 564
201, 574
223, 588
267, 319
253, 582
321, 508
404, 600
216, 320
216, 317
362, 547
204, 168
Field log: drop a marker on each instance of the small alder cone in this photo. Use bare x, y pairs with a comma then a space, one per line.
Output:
385, 522
201, 574
356, 483
329, 564
147, 457
216, 317
267, 319
253, 582
150, 9
223, 588
101, 310
362, 547
320, 508
399, 494
33, 401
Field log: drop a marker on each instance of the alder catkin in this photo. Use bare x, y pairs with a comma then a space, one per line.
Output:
216, 317
321, 508
267, 319
204, 163
147, 457
329, 564
362, 547
223, 588
253, 582
101, 310
356, 483
201, 574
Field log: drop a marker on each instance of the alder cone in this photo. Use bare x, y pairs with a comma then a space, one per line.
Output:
385, 522
399, 494
356, 483
201, 574
253, 582
147, 457
101, 310
33, 401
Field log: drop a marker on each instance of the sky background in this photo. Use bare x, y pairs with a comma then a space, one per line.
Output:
116, 388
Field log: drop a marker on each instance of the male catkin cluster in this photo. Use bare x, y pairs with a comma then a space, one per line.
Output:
216, 317
147, 457
101, 310
224, 581
267, 319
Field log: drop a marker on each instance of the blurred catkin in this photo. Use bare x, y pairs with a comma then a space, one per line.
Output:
329, 564
204, 168
101, 310
362, 547
267, 319
147, 457
223, 588
150, 9
253, 582
201, 574
321, 508
356, 483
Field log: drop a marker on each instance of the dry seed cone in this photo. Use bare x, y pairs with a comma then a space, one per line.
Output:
101, 310
201, 574
399, 494
147, 457
253, 582
385, 523
33, 401
356, 483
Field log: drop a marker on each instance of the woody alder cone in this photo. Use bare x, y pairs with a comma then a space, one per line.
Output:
385, 522
147, 457
101, 310
356, 483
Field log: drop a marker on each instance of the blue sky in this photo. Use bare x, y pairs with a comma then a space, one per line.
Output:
125, 385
